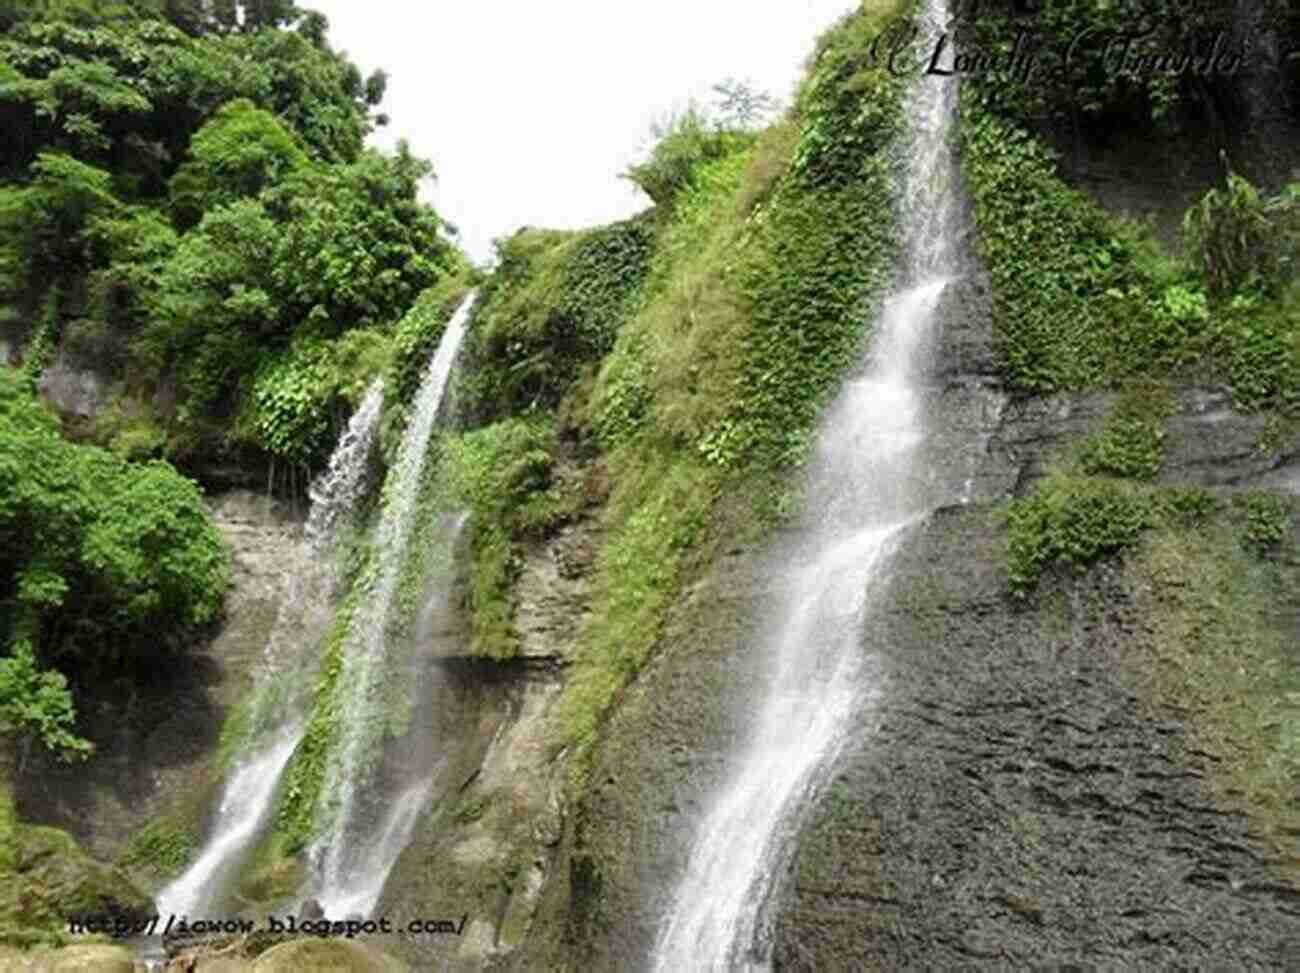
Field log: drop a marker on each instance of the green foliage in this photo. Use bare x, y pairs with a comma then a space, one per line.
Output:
506, 475
1075, 521
132, 92
554, 305
1082, 299
353, 246
112, 563
298, 397
674, 368
1242, 238
1267, 521
35, 704
238, 153
131, 249
817, 256
43, 226
304, 777
250, 136
1072, 522
849, 108
324, 252
1260, 341
1078, 71
1132, 443
41, 348
416, 337
214, 314
682, 142
1072, 302
161, 847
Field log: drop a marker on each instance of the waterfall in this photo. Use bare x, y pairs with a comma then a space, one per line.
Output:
350, 862
866, 483
276, 713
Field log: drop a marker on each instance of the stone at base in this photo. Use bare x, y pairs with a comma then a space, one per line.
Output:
327, 956
77, 959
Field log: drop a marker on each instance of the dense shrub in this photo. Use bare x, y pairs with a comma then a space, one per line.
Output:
102, 563
554, 305
1074, 521
682, 143
1243, 238
1077, 72
238, 153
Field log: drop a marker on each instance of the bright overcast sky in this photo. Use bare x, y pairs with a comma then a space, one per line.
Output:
529, 110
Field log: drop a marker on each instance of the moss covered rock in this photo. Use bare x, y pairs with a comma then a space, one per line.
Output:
52, 879
79, 959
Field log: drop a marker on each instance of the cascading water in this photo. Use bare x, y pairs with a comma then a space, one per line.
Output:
353, 855
303, 614
867, 482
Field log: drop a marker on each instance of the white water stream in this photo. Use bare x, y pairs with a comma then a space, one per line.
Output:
352, 855
276, 714
866, 483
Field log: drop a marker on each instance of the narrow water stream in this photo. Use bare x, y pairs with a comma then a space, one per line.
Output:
866, 483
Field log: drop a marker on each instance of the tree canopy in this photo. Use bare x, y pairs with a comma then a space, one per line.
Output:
187, 199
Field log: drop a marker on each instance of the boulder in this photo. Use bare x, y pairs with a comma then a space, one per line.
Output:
81, 959
326, 956
53, 880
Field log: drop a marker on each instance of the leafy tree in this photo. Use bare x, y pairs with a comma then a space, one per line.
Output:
43, 226
213, 313
237, 154
356, 245
36, 706
102, 563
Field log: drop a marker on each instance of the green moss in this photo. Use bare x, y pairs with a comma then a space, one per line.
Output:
8, 824
1224, 650
272, 881
1072, 521
1267, 521
657, 514
506, 474
52, 879
305, 775
1132, 443
162, 847
470, 809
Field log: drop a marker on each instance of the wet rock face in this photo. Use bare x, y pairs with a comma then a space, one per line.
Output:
487, 848
155, 742
1019, 796
73, 391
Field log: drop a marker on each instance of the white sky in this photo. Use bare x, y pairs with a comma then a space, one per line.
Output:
529, 110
